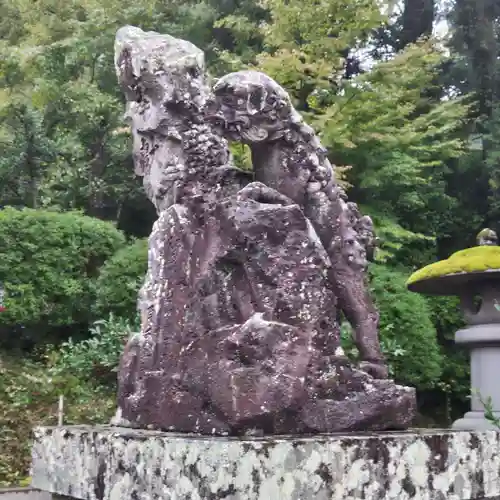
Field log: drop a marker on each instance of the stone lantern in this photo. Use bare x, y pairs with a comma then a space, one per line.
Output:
474, 276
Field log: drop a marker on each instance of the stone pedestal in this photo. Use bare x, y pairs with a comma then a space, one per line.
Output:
26, 493
483, 341
110, 463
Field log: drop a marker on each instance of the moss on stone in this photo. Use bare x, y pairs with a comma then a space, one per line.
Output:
470, 260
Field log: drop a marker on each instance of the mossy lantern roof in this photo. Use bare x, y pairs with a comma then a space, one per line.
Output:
463, 270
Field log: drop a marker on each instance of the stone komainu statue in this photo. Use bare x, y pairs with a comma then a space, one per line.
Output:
246, 276
250, 107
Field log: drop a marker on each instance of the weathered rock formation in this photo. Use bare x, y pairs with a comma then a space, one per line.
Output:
240, 332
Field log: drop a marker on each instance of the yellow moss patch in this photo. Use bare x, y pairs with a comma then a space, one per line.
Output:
470, 260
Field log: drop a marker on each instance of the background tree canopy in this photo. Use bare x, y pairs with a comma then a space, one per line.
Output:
410, 117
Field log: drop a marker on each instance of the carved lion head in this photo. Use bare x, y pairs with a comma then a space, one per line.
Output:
249, 106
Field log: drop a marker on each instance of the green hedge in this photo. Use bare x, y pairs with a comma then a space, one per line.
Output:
120, 280
406, 321
448, 318
49, 263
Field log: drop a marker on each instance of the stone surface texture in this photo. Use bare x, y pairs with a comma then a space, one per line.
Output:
24, 494
483, 342
240, 330
287, 155
106, 463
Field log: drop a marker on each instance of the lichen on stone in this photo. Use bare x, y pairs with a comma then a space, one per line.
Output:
110, 463
470, 260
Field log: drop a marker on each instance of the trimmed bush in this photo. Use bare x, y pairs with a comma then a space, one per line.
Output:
406, 320
95, 360
49, 265
120, 280
407, 334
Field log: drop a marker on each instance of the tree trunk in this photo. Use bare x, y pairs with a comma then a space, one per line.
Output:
475, 23
417, 21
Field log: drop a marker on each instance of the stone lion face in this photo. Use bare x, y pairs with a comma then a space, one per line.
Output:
249, 107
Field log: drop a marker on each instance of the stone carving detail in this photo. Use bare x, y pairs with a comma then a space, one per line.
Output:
239, 333
251, 107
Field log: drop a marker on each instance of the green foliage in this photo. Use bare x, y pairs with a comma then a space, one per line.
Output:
492, 163
49, 266
242, 156
396, 150
447, 318
74, 154
94, 360
489, 410
120, 280
322, 28
311, 40
26, 153
384, 124
397, 245
408, 337
405, 318
83, 372
306, 43
29, 396
391, 348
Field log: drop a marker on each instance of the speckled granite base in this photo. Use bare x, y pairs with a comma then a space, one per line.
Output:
97, 463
